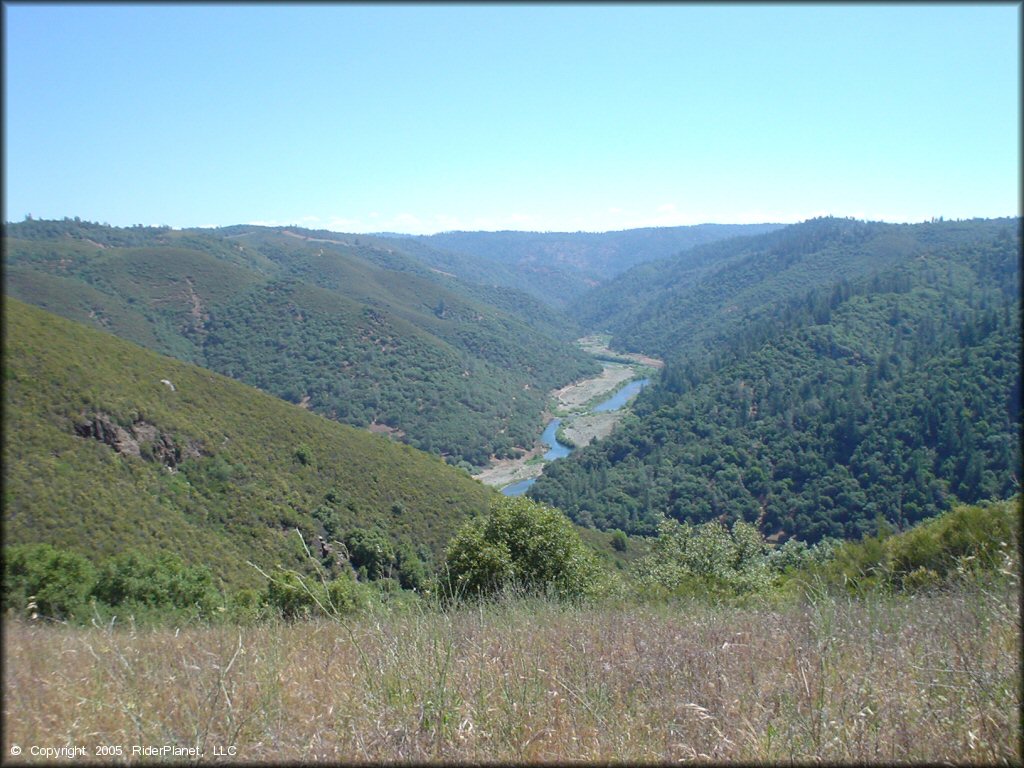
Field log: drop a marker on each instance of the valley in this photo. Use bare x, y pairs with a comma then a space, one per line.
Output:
578, 414
804, 439
512, 383
814, 378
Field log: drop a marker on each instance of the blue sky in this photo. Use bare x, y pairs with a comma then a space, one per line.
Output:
406, 118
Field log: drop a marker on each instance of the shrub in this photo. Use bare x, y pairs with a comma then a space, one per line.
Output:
979, 537
619, 541
163, 582
370, 551
56, 582
979, 534
245, 606
522, 544
298, 597
411, 571
707, 558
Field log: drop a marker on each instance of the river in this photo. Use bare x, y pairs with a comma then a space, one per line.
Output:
559, 450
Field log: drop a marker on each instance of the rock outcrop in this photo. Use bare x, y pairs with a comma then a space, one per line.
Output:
139, 439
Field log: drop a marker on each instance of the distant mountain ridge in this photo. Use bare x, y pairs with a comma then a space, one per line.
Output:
558, 267
693, 300
820, 377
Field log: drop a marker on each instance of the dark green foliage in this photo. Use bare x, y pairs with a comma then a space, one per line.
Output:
704, 296
163, 582
896, 395
521, 544
295, 596
364, 366
102, 235
40, 580
370, 552
410, 569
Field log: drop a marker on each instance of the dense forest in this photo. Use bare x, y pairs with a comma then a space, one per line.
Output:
706, 297
890, 389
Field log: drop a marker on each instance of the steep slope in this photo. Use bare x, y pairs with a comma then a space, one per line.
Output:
101, 454
892, 395
442, 307
305, 252
363, 365
691, 302
390, 343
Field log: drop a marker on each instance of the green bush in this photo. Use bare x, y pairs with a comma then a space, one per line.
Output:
980, 535
410, 568
708, 559
619, 541
370, 551
299, 597
163, 582
522, 544
42, 580
344, 596
967, 538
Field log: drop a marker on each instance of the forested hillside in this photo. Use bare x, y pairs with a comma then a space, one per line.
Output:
858, 371
360, 333
110, 448
558, 267
699, 299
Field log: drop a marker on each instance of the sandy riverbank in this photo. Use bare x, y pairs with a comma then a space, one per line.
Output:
576, 395
585, 428
571, 403
507, 471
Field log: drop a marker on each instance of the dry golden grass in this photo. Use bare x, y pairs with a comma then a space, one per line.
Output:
929, 678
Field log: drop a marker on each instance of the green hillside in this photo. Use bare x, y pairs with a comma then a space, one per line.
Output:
893, 395
101, 456
367, 366
486, 282
558, 267
699, 299
361, 333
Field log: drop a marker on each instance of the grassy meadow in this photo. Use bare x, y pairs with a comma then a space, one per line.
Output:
931, 676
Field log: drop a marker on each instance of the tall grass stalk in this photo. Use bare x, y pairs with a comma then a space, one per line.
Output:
928, 678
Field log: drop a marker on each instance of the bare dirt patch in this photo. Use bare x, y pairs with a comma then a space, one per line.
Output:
587, 427
578, 394
507, 471
384, 429
598, 346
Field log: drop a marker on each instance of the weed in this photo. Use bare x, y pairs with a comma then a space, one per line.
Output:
877, 678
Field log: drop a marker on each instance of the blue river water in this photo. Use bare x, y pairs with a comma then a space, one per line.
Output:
559, 450
622, 397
